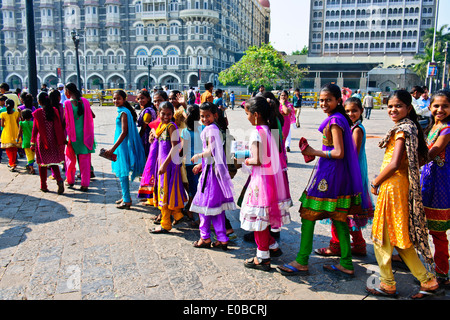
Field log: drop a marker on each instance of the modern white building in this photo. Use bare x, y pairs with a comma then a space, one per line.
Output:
180, 39
369, 27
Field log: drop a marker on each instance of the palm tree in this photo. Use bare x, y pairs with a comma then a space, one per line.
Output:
442, 36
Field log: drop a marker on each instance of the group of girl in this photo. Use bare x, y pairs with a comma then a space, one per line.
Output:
409, 203
51, 135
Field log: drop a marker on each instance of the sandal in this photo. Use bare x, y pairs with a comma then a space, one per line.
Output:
124, 205
263, 264
288, 271
218, 244
118, 201
202, 244
60, 187
158, 231
275, 253
380, 292
157, 219
426, 292
335, 270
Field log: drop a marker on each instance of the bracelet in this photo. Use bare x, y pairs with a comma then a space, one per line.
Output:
373, 186
329, 154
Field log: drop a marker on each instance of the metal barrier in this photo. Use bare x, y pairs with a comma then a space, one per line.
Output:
311, 99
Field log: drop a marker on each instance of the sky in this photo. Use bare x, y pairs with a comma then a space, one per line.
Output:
290, 23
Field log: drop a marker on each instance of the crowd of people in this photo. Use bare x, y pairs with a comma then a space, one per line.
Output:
177, 146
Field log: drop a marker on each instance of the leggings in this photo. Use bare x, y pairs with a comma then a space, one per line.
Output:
125, 186
166, 223
12, 156
306, 243
357, 237
43, 175
441, 254
30, 156
218, 223
264, 242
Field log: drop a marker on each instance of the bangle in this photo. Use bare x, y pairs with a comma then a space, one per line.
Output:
374, 186
329, 154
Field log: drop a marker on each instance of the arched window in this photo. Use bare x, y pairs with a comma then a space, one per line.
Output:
172, 57
141, 57
157, 57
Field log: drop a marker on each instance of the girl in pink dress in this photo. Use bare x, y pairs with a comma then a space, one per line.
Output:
267, 199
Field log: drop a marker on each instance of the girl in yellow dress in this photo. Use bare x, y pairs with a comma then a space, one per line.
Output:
9, 121
399, 220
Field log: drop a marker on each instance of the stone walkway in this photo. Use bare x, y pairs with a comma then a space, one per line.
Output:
78, 246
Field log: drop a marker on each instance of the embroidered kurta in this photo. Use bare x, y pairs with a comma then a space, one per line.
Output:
392, 206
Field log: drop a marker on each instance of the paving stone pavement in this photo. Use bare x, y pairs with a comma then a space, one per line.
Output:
79, 246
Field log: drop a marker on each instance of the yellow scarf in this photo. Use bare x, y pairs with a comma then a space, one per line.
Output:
161, 128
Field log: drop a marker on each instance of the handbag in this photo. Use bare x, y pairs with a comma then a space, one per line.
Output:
102, 154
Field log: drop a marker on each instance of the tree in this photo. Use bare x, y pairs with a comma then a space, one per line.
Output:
304, 52
261, 66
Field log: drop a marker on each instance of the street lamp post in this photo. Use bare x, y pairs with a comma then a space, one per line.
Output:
149, 65
31, 47
76, 42
434, 40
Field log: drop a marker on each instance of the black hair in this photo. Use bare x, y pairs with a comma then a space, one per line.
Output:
267, 112
126, 104
335, 91
55, 98
275, 104
209, 85
358, 103
262, 106
218, 91
27, 99
208, 106
221, 121
72, 88
441, 93
163, 94
5, 86
193, 115
10, 106
405, 97
148, 96
46, 104
167, 105
26, 114
418, 89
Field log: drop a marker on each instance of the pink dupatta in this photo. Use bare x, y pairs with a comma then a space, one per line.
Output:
88, 123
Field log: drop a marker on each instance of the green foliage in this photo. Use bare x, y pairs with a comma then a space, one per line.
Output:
303, 52
260, 66
442, 36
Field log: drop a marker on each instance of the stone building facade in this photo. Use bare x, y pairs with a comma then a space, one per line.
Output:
123, 43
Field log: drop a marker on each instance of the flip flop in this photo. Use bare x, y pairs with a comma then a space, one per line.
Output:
334, 270
159, 231
428, 294
202, 245
378, 292
263, 264
293, 271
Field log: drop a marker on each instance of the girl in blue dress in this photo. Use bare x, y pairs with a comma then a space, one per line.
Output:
127, 146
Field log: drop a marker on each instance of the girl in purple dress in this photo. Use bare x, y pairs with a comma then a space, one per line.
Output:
436, 183
215, 189
169, 194
334, 190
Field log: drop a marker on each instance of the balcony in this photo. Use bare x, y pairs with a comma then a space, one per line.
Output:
154, 15
200, 15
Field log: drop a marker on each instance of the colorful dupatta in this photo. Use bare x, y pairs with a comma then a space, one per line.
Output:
418, 229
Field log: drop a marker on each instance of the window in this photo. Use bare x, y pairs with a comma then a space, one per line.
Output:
141, 57
157, 57
172, 57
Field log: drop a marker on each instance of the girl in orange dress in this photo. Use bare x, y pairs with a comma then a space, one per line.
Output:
399, 218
